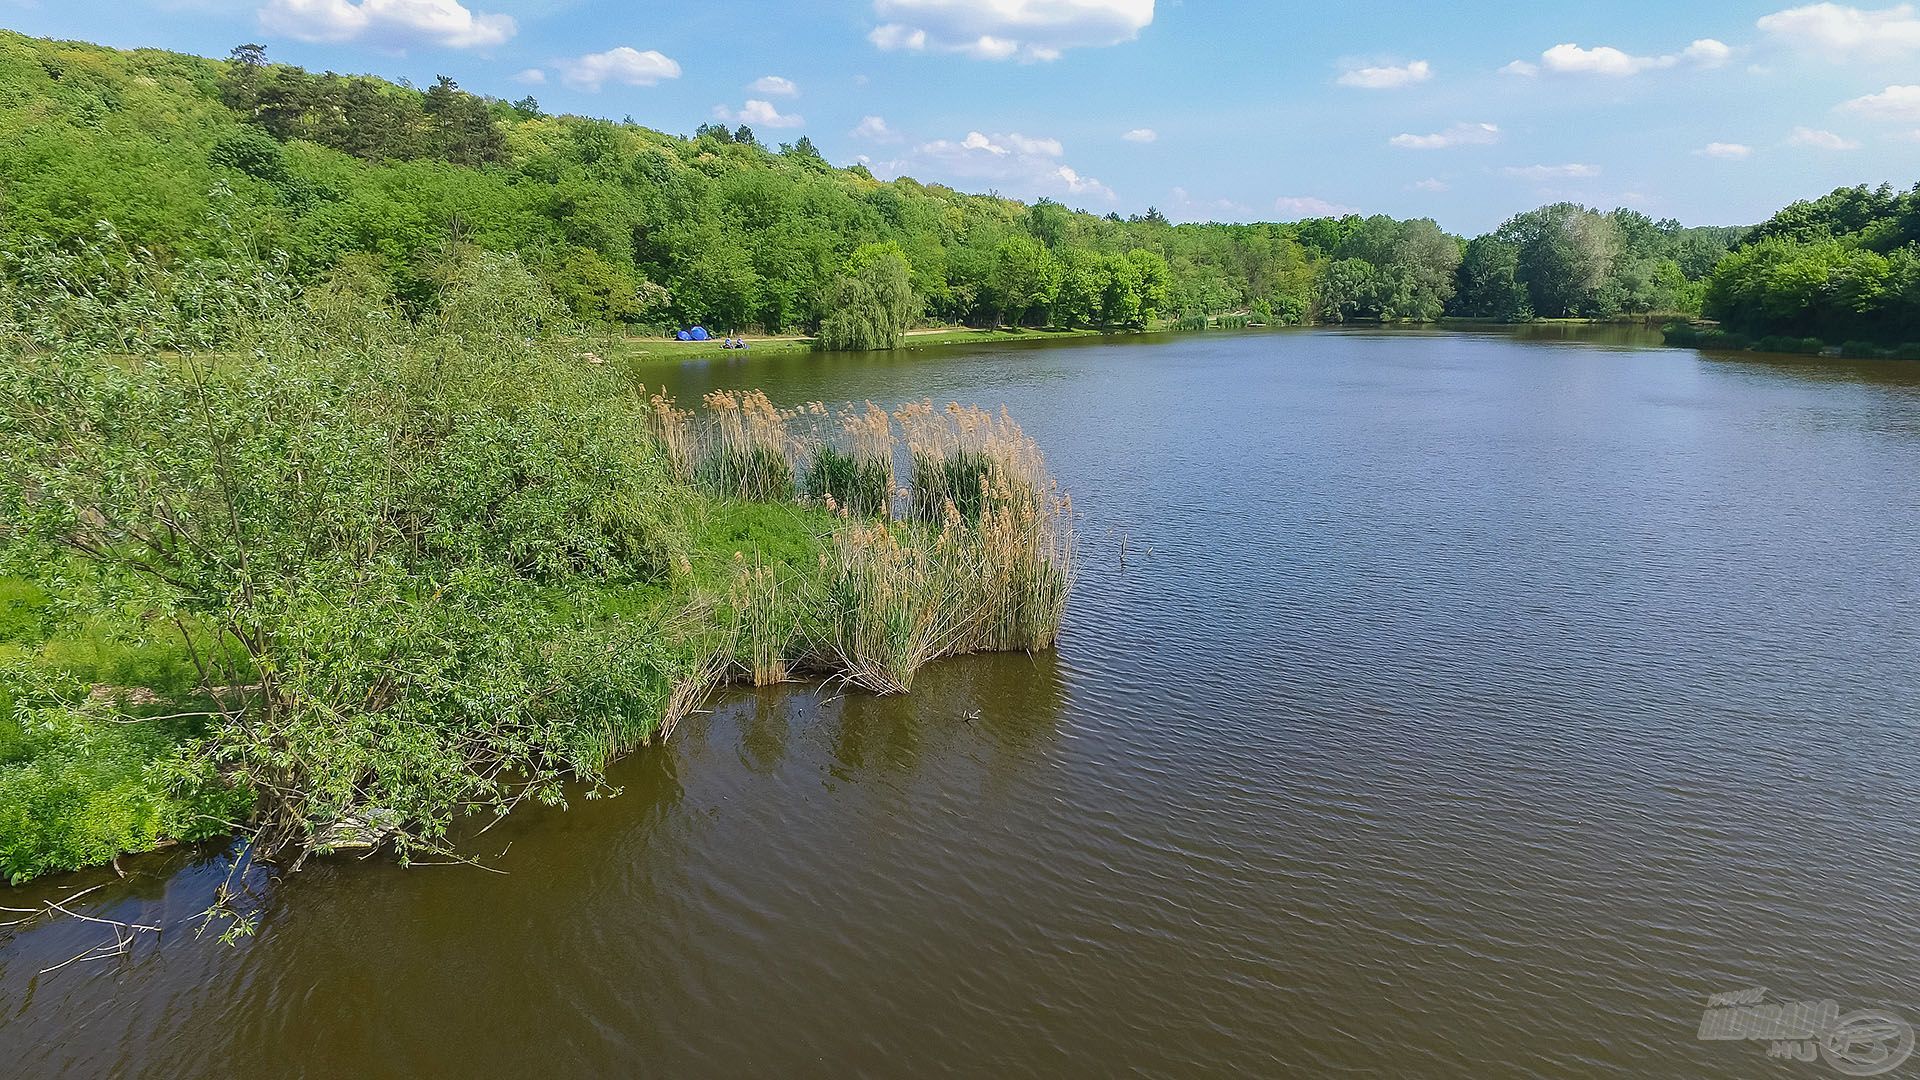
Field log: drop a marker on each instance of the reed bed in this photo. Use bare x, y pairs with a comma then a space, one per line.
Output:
763, 624
857, 476
750, 453
973, 554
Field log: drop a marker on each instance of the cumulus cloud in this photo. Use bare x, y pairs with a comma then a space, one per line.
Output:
622, 65
1820, 140
1387, 77
1570, 171
1030, 164
1457, 135
1184, 206
531, 76
1726, 151
773, 86
1027, 30
760, 113
1295, 207
387, 22
1840, 32
1895, 103
1141, 135
1605, 60
874, 129
1431, 183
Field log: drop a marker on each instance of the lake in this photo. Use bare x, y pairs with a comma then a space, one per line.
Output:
1465, 704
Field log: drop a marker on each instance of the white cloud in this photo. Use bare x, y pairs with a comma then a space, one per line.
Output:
893, 37
1570, 59
773, 86
1031, 165
1141, 135
874, 129
1003, 145
1294, 207
1184, 207
1024, 145
1820, 140
1896, 103
1457, 135
1083, 185
1027, 30
1431, 183
1726, 151
1707, 52
1387, 77
1600, 60
531, 76
758, 112
621, 65
1840, 32
1571, 171
387, 22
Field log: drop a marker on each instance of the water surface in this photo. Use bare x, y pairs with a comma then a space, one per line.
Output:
1468, 705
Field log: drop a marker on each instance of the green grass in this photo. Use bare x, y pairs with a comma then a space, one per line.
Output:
649, 350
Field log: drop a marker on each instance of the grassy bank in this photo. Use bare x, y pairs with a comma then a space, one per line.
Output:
304, 566
654, 349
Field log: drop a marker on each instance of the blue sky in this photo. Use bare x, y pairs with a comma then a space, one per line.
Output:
1714, 113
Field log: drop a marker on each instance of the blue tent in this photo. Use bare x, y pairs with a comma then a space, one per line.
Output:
683, 336
699, 333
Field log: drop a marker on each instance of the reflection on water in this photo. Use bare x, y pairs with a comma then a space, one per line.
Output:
1469, 703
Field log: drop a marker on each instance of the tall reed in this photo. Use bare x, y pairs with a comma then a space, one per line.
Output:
750, 452
886, 607
763, 623
981, 560
858, 478
672, 427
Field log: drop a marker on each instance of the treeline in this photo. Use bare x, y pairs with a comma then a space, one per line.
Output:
635, 226
1843, 270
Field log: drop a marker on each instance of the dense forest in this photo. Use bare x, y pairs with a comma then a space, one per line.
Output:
191, 158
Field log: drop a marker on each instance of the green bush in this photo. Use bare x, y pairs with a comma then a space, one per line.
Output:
375, 514
79, 786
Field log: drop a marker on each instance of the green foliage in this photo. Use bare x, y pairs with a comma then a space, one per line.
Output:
79, 785
634, 226
1831, 288
872, 303
1350, 289
1490, 286
1567, 260
1411, 275
359, 520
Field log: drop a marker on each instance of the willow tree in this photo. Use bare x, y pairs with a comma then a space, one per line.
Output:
871, 302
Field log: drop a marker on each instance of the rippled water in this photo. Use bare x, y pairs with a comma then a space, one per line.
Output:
1467, 705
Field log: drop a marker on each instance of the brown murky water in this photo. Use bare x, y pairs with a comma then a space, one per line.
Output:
1469, 705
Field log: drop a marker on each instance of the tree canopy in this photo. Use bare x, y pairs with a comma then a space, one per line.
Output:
631, 225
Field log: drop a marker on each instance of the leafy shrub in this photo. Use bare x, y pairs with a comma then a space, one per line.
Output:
78, 787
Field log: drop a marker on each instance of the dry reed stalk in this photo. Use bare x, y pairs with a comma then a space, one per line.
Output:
750, 452
887, 608
672, 428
